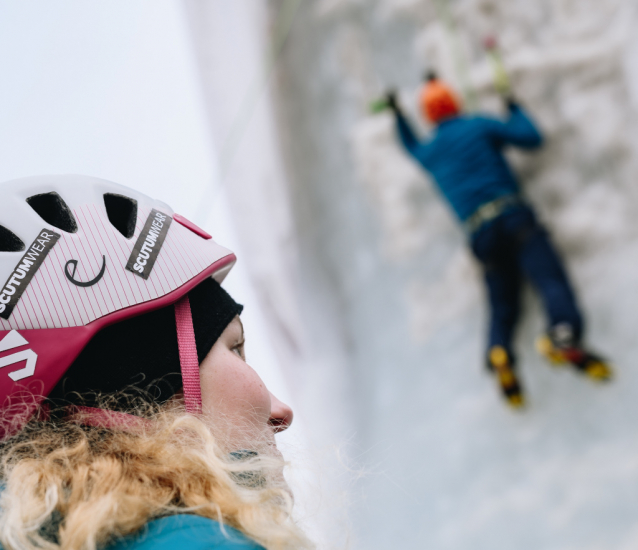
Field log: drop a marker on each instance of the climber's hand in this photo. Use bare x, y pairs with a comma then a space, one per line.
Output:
511, 101
391, 100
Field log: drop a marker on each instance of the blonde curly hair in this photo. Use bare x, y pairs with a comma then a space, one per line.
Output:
76, 487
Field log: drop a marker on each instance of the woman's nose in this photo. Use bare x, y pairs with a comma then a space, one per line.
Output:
280, 415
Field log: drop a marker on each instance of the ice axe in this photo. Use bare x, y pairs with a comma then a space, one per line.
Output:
501, 80
389, 100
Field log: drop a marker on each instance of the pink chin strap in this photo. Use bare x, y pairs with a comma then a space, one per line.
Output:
188, 356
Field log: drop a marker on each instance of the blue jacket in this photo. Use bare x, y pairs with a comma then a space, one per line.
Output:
465, 156
186, 532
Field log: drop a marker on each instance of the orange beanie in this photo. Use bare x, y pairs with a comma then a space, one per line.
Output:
438, 101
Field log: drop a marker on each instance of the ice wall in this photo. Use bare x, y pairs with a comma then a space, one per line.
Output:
233, 42
383, 263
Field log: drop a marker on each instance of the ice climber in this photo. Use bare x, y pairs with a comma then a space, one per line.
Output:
465, 158
130, 418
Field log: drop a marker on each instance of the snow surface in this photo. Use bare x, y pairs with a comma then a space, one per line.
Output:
385, 271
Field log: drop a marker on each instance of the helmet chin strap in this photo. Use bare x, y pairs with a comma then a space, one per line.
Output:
188, 356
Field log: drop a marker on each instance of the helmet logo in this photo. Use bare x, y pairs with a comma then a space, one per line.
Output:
149, 244
70, 275
27, 267
15, 340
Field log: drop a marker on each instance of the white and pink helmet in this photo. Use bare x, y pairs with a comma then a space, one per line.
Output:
78, 254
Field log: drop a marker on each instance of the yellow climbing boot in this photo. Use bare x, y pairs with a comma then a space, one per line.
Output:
545, 347
572, 354
501, 365
598, 370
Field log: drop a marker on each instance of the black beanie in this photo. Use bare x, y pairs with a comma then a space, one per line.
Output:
142, 352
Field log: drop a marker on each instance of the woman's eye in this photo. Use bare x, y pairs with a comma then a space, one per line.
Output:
239, 350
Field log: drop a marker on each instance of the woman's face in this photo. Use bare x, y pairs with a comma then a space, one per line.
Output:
235, 396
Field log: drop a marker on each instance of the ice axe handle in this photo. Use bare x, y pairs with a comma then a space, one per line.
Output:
379, 105
501, 80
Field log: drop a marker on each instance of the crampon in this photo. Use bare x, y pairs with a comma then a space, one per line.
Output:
500, 364
583, 361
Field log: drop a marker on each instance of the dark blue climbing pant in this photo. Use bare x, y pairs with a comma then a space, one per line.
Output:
512, 246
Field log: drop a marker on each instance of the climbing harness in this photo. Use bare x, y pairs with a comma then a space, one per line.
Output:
490, 211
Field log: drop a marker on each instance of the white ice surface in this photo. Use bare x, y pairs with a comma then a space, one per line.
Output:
451, 467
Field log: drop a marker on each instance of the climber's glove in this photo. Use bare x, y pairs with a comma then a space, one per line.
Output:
391, 100
511, 102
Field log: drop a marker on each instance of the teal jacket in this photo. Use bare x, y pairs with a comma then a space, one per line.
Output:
186, 532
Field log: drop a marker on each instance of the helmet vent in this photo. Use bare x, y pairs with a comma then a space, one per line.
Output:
122, 213
53, 210
9, 241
